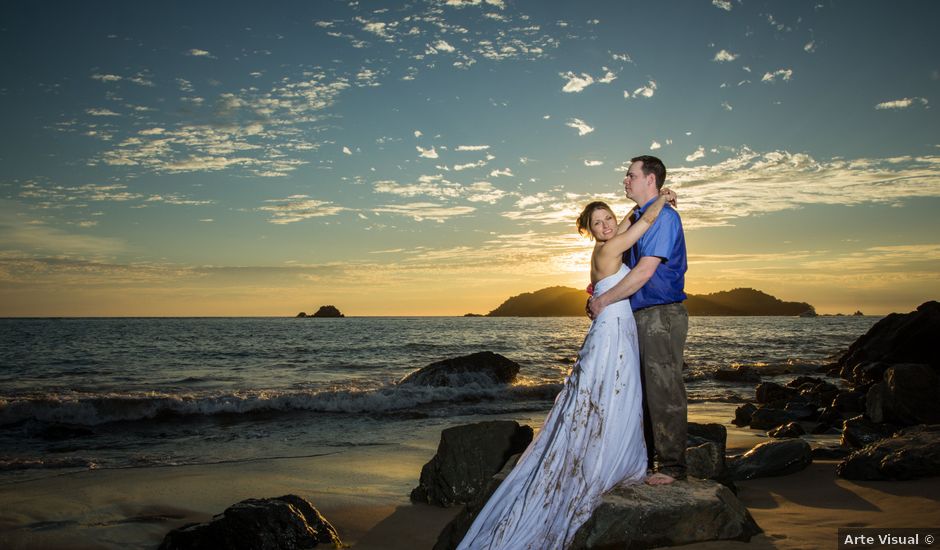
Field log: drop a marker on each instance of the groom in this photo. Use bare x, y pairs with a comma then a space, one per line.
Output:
655, 286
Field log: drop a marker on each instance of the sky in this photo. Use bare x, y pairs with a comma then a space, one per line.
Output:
430, 157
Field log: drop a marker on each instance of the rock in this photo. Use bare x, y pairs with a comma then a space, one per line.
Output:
743, 414
809, 313
737, 374
912, 453
705, 461
858, 314
467, 457
831, 416
821, 393
327, 311
851, 402
282, 523
454, 531
765, 418
908, 395
484, 368
792, 429
772, 458
859, 431
868, 372
802, 410
642, 516
302, 314
800, 380
830, 452
769, 392
899, 338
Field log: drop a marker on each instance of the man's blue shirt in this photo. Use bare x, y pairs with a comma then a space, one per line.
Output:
665, 240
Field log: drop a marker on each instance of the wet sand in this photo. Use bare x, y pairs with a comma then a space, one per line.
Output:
364, 494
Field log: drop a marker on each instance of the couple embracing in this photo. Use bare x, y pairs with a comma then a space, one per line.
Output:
621, 416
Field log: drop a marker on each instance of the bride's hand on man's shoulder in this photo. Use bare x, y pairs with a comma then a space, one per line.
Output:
670, 195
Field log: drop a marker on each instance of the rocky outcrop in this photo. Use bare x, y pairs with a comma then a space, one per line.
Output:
772, 458
912, 453
454, 531
327, 311
859, 432
467, 457
766, 418
898, 338
737, 374
909, 394
789, 430
283, 523
705, 453
643, 516
770, 392
484, 367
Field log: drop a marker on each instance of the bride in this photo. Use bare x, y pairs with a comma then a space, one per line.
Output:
592, 438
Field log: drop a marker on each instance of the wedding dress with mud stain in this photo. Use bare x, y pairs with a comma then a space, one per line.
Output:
592, 440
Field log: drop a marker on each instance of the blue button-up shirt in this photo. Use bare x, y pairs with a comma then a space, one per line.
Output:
665, 240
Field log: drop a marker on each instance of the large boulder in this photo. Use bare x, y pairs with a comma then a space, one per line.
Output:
705, 452
765, 418
898, 338
454, 531
771, 392
793, 429
857, 432
743, 414
908, 395
772, 458
912, 453
737, 374
283, 523
644, 516
467, 457
485, 368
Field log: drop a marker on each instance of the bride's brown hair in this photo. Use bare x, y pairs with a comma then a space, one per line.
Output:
584, 220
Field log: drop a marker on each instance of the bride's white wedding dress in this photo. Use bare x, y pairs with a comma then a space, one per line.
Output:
591, 441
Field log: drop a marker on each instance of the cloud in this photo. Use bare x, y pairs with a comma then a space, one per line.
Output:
900, 103
17, 234
696, 155
810, 46
426, 153
198, 53
106, 77
101, 112
443, 46
498, 173
579, 125
297, 208
439, 187
418, 133
621, 57
591, 163
607, 78
576, 83
726, 106
478, 164
655, 145
723, 4
346, 151
420, 211
724, 56
750, 182
472, 148
645, 91
783, 74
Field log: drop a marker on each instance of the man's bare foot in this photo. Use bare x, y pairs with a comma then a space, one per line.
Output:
659, 478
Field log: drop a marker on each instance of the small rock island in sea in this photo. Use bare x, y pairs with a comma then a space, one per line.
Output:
324, 311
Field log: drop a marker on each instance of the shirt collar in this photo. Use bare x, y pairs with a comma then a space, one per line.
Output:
647, 205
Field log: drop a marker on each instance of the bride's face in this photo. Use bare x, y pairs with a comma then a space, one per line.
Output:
603, 224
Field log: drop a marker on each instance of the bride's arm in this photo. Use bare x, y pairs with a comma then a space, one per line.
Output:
625, 223
622, 241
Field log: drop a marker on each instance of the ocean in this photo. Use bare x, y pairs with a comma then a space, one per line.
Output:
78, 394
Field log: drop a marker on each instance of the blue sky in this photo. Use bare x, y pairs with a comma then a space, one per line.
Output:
430, 157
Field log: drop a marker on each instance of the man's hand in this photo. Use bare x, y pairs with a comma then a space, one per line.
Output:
595, 306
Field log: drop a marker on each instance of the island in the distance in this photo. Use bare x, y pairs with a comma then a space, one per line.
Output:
561, 301
324, 311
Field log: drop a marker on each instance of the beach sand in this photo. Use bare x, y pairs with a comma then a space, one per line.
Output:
364, 494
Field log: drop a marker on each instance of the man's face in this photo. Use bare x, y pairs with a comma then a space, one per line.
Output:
634, 182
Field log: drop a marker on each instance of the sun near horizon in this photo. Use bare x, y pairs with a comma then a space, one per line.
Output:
430, 159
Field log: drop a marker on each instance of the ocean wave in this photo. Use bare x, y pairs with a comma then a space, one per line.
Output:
9, 464
96, 409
